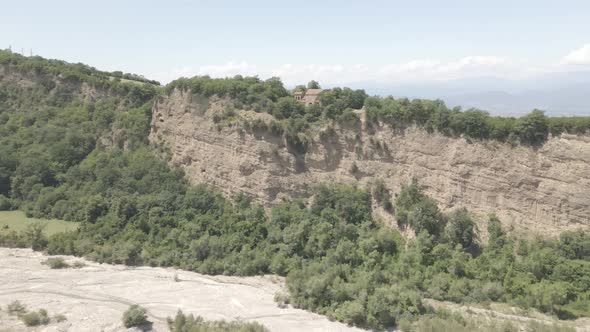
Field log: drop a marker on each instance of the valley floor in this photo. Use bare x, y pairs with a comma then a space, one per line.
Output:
93, 298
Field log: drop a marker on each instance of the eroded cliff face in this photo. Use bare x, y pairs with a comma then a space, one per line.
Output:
536, 191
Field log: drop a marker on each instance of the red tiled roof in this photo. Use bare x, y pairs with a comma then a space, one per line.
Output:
313, 92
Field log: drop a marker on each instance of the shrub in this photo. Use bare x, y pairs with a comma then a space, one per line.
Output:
134, 316
5, 203
354, 169
493, 291
60, 318
259, 125
282, 299
351, 312
328, 135
35, 236
389, 304
78, 265
349, 118
443, 321
185, 323
16, 308
276, 128
56, 263
35, 318
297, 143
542, 327
381, 194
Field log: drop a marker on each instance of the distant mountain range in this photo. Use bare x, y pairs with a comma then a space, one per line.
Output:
566, 93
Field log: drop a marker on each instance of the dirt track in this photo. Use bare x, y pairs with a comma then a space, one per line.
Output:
94, 297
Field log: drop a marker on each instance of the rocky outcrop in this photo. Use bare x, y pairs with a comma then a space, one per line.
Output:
537, 191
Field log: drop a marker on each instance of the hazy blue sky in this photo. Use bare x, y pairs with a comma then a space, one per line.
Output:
337, 41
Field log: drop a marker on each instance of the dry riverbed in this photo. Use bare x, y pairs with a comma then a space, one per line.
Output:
93, 298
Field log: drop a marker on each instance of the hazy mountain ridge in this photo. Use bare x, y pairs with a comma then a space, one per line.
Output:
559, 94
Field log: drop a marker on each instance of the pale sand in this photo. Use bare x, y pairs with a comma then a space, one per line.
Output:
94, 297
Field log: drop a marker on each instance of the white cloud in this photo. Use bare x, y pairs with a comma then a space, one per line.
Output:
334, 73
414, 66
581, 56
470, 66
359, 68
474, 64
228, 69
417, 70
414, 70
231, 68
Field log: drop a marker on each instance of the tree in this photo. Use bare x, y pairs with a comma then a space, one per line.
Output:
35, 236
409, 196
425, 215
300, 88
575, 245
460, 229
547, 295
496, 236
287, 107
389, 304
313, 85
475, 124
532, 128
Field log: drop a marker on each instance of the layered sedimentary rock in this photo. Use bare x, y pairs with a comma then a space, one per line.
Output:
541, 190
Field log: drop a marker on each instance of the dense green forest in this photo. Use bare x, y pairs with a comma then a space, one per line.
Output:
69, 157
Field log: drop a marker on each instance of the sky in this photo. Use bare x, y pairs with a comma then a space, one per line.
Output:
330, 41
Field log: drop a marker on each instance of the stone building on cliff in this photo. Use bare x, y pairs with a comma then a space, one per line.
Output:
308, 97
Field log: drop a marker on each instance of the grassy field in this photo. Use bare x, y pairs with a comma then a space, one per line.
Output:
17, 220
